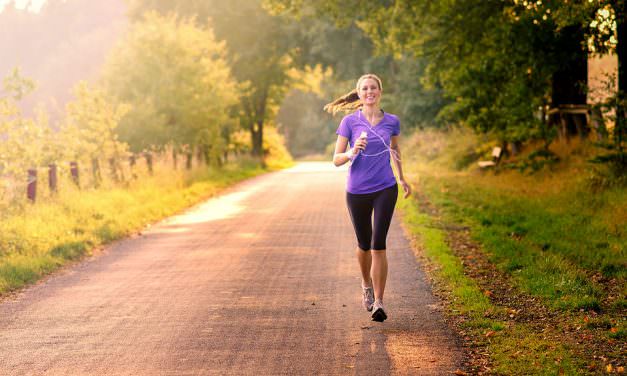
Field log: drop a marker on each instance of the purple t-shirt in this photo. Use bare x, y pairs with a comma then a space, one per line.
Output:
371, 170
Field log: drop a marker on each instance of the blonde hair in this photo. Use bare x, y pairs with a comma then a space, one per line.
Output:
350, 101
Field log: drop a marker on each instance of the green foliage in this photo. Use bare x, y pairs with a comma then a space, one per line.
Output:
306, 127
276, 155
257, 51
24, 142
488, 65
90, 128
535, 161
613, 109
175, 76
17, 85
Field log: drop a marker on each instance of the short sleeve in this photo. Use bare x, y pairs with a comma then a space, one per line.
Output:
396, 127
344, 128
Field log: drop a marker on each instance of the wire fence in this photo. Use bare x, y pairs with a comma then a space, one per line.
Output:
43, 182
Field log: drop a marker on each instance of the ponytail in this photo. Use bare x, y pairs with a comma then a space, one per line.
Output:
347, 102
350, 101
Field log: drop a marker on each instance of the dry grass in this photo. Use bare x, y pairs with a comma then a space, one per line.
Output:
36, 239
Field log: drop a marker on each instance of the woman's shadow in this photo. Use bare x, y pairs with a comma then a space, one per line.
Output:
373, 357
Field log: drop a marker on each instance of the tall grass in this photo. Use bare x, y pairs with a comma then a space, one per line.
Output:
36, 239
558, 239
514, 348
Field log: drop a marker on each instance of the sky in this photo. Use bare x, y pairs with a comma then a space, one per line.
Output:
57, 43
29, 5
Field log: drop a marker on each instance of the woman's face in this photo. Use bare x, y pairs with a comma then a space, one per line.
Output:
369, 91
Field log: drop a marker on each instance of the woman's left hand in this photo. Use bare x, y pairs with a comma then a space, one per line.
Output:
406, 188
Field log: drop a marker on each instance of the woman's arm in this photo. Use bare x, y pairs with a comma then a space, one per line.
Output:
342, 153
396, 158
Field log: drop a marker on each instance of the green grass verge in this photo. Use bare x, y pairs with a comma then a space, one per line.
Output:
514, 348
550, 233
558, 247
556, 238
36, 239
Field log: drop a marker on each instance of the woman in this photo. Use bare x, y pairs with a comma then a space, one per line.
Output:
371, 185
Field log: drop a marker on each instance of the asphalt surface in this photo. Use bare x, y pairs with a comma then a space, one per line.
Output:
261, 280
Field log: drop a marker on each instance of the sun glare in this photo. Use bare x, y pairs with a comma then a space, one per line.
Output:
33, 6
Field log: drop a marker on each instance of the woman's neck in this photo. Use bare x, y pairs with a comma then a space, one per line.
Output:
371, 111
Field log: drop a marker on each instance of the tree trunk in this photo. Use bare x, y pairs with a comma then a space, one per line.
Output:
256, 128
621, 47
200, 155
188, 161
74, 173
113, 171
257, 138
148, 156
570, 80
621, 52
95, 170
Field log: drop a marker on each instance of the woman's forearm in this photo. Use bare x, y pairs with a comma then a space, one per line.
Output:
341, 158
396, 157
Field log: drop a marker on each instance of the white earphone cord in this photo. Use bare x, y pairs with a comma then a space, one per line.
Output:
393, 153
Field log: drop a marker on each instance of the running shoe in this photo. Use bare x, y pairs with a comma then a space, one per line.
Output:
368, 298
378, 313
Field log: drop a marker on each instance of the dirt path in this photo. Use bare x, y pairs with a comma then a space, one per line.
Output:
261, 280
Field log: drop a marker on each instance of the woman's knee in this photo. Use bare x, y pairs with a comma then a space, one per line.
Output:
379, 244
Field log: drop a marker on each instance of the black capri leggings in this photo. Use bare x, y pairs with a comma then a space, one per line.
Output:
361, 206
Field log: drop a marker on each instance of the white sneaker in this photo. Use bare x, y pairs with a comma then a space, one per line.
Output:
378, 313
368, 298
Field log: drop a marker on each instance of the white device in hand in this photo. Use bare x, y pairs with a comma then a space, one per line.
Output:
363, 135
351, 155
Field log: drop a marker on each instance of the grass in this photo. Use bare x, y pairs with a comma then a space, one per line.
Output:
515, 349
553, 236
36, 239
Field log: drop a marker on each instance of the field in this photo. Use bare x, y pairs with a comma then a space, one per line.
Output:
36, 239
532, 264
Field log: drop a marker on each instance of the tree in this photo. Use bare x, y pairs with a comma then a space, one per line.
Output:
24, 142
350, 52
603, 24
89, 131
495, 62
257, 52
175, 76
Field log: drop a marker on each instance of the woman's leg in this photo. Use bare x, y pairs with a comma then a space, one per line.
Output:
365, 264
360, 209
383, 206
379, 273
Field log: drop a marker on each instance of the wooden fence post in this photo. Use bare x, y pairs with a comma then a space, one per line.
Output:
132, 161
31, 188
188, 161
52, 177
148, 157
113, 170
74, 172
95, 170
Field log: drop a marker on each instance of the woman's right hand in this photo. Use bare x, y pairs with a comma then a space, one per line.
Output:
360, 145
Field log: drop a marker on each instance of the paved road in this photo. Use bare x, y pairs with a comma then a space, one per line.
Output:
261, 280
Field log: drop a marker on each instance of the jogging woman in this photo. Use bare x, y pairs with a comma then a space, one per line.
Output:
368, 138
